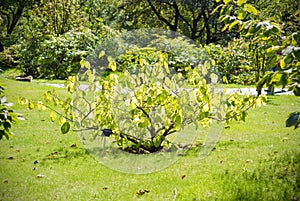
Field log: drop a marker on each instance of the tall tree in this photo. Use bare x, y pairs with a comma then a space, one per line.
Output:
12, 10
191, 18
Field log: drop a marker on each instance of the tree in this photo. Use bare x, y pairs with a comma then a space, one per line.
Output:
260, 34
276, 44
191, 18
12, 12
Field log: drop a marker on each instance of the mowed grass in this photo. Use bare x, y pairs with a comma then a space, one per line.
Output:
254, 160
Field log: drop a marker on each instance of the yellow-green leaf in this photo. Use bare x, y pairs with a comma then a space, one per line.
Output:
52, 115
31, 105
249, 8
217, 8
227, 1
61, 120
241, 2
232, 25
112, 64
241, 15
22, 100
101, 54
40, 106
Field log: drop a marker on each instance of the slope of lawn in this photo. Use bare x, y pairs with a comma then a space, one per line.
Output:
254, 160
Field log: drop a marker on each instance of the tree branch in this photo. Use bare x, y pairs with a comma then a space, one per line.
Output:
151, 129
160, 17
15, 19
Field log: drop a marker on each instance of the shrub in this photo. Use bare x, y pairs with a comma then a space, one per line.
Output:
56, 57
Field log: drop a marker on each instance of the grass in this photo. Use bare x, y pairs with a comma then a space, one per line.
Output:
254, 160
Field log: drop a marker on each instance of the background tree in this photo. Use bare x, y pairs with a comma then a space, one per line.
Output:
191, 18
11, 12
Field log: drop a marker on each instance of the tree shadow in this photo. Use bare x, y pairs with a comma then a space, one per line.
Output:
66, 154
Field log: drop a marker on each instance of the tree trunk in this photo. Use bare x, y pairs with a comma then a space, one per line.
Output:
257, 73
1, 47
15, 19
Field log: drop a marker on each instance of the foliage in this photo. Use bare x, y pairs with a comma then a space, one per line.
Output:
58, 57
293, 120
7, 116
258, 32
233, 62
54, 57
180, 53
67, 16
191, 18
270, 47
11, 12
162, 102
7, 58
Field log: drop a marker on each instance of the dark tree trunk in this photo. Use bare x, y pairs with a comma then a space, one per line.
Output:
1, 47
15, 19
257, 74
173, 27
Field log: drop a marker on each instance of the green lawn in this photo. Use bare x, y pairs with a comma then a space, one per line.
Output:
254, 160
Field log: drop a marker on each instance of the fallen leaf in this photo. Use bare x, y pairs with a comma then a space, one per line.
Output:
142, 192
18, 150
40, 176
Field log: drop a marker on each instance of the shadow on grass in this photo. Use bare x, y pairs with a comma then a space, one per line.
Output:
270, 101
275, 178
66, 154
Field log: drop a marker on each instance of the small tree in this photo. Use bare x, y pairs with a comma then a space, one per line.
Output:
272, 47
143, 111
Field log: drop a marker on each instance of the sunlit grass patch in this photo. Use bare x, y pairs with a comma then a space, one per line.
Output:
254, 160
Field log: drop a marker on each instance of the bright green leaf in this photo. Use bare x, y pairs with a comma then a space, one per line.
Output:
241, 15
249, 8
157, 141
227, 1
241, 2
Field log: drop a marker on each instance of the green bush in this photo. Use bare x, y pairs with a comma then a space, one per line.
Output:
56, 57
232, 62
7, 59
7, 116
